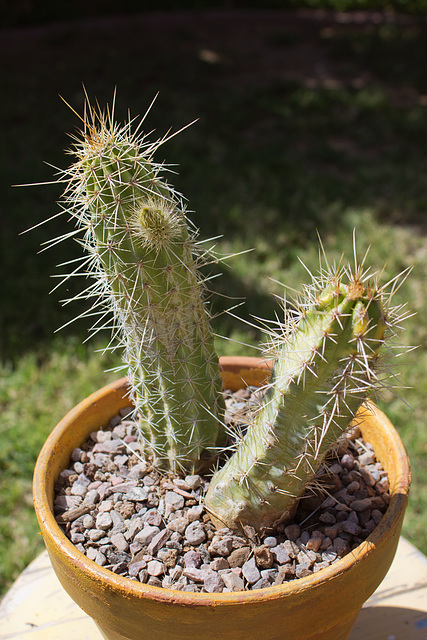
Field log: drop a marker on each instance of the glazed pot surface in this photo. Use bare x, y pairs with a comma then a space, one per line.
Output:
322, 606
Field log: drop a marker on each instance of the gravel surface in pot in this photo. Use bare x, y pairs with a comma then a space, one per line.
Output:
151, 527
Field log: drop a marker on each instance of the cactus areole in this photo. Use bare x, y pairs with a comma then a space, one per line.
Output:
144, 262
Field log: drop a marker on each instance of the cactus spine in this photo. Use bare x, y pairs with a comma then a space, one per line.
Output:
327, 358
144, 261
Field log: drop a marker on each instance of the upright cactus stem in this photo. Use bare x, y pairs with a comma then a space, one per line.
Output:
326, 362
144, 261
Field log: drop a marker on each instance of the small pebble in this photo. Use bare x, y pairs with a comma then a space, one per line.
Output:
213, 583
155, 568
104, 521
194, 533
292, 532
146, 535
221, 546
232, 581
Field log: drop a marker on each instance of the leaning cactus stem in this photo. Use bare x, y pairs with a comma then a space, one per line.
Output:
145, 268
327, 357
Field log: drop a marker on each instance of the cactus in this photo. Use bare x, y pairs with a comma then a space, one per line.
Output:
327, 358
144, 262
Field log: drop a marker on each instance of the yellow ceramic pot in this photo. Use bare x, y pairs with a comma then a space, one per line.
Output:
322, 606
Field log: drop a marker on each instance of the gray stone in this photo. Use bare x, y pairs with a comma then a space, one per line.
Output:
349, 526
96, 534
76, 455
329, 556
119, 541
306, 556
292, 532
314, 544
376, 516
193, 559
147, 534
88, 521
291, 548
353, 486
347, 461
238, 557
143, 576
284, 571
181, 484
213, 583
104, 521
65, 502
193, 481
194, 513
219, 563
168, 557
304, 538
135, 526
137, 494
197, 575
367, 477
138, 471
106, 505
117, 519
270, 541
366, 458
221, 546
135, 567
155, 568
303, 569
341, 547
232, 581
100, 559
194, 533
77, 537
269, 574
174, 501
91, 553
327, 518
250, 571
153, 517
361, 505
178, 524
158, 541
280, 554
261, 584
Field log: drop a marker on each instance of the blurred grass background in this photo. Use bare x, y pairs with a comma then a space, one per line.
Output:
311, 117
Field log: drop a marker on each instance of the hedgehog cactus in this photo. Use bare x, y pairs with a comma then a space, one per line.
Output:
144, 261
327, 355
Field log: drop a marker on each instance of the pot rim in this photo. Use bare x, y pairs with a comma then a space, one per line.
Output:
51, 530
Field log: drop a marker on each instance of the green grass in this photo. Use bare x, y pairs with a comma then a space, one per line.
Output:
305, 125
34, 395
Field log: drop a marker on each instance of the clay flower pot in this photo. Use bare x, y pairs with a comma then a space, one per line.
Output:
322, 606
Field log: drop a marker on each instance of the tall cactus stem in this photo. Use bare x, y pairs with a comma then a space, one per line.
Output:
145, 265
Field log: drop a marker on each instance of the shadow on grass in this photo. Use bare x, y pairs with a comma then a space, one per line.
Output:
301, 118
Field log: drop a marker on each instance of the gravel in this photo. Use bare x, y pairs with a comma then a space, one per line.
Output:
150, 527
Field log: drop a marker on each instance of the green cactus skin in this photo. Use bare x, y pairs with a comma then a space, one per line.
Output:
325, 365
144, 262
